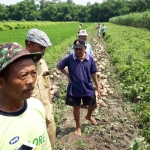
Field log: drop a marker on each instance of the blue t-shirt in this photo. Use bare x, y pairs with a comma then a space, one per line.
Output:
80, 74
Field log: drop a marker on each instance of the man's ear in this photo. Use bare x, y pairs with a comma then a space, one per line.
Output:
85, 47
1, 82
28, 47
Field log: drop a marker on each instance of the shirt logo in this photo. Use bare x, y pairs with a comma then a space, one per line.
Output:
14, 140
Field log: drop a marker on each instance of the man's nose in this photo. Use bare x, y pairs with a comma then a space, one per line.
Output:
31, 79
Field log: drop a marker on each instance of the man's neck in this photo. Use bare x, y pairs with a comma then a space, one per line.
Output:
82, 57
9, 105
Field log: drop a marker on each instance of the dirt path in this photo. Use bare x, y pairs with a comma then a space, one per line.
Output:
116, 125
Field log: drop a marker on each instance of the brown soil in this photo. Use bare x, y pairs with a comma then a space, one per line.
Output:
116, 125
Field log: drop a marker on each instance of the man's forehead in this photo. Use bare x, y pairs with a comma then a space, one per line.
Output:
82, 35
22, 63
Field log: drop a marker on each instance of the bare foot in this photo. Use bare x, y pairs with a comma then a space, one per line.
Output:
78, 132
91, 120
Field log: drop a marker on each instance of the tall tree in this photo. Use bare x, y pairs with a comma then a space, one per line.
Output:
69, 2
4, 12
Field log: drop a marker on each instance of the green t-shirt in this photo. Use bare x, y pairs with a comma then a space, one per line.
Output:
26, 125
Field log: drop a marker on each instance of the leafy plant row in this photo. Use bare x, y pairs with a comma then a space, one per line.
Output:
129, 49
23, 25
139, 20
57, 32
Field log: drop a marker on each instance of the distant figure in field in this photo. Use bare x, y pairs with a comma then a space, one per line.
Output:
83, 35
79, 27
103, 31
98, 30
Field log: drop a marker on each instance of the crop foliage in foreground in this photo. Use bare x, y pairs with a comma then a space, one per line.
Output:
129, 49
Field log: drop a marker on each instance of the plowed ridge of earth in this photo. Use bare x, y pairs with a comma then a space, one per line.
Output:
116, 127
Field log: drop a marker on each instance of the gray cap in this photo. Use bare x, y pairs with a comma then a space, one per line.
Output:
38, 36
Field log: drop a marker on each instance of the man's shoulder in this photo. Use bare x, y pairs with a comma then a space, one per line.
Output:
32, 99
88, 44
34, 102
42, 64
41, 61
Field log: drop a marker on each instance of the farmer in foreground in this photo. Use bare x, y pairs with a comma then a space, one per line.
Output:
81, 68
38, 41
22, 119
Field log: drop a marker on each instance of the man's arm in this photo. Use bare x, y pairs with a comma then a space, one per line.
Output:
72, 50
49, 96
94, 76
64, 72
91, 51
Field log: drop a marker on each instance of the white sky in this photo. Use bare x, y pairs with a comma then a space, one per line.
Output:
81, 2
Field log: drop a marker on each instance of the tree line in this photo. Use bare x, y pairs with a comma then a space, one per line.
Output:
55, 10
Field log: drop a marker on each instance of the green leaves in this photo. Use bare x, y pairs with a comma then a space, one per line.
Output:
135, 143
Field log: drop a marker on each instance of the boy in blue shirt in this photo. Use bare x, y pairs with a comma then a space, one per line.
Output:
81, 70
103, 31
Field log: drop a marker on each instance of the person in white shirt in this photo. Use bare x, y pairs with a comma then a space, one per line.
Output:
83, 35
98, 30
79, 27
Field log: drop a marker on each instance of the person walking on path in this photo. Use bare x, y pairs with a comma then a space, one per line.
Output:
81, 68
37, 41
103, 31
79, 27
83, 35
98, 30
22, 119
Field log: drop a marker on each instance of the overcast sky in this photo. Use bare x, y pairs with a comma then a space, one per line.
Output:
81, 2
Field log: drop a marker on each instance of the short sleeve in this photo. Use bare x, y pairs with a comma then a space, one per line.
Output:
93, 66
63, 63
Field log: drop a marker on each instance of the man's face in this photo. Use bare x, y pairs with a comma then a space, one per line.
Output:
35, 47
80, 52
20, 83
84, 37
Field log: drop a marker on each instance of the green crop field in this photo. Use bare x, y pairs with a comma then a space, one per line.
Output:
129, 50
61, 35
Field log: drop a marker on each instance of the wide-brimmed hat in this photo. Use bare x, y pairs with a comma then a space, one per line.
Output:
82, 33
79, 44
38, 36
9, 52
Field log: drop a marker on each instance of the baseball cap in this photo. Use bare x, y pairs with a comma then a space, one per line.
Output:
83, 32
38, 36
79, 43
9, 52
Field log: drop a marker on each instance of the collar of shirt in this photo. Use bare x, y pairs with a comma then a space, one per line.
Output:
75, 56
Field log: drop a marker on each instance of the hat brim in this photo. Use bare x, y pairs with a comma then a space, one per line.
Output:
36, 57
82, 34
78, 46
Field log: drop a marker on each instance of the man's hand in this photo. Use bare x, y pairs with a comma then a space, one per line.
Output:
99, 92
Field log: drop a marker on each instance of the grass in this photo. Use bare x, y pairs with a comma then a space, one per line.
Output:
61, 35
